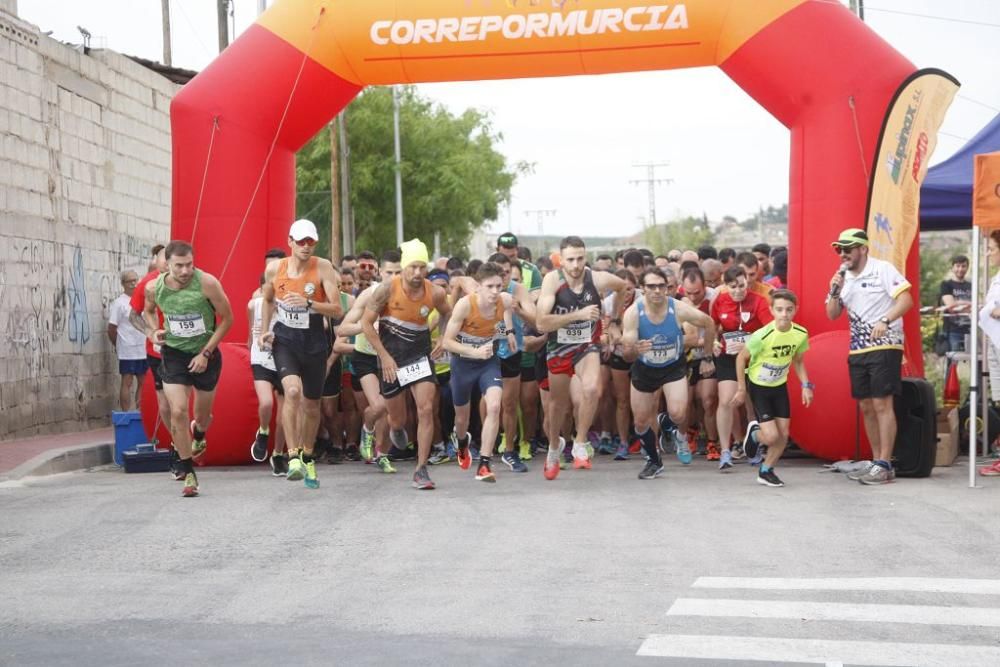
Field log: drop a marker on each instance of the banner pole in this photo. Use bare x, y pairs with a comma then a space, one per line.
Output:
976, 375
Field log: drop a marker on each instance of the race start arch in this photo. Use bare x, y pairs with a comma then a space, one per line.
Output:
811, 63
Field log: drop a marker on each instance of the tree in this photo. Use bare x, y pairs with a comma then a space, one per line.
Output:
453, 176
686, 233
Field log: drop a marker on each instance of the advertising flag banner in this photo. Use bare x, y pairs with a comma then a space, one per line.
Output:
986, 191
909, 136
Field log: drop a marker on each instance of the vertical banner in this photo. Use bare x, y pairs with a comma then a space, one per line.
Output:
986, 191
908, 139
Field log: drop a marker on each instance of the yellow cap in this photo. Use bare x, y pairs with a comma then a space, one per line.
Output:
413, 251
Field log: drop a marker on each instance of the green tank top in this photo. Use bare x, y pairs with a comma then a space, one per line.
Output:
772, 353
188, 316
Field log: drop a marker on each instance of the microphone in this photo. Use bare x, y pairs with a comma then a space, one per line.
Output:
842, 271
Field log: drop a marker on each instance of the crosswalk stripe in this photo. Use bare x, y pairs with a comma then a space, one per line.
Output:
904, 584
816, 651
838, 611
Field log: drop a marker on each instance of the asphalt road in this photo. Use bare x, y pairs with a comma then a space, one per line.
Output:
597, 568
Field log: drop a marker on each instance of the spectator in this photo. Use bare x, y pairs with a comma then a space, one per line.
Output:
129, 343
956, 299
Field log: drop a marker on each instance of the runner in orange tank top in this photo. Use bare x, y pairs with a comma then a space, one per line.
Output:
297, 292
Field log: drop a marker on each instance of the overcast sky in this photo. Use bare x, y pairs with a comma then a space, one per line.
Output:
584, 133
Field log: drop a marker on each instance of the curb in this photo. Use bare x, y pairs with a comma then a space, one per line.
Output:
64, 459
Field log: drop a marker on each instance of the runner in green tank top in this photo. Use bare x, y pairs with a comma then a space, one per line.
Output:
763, 365
196, 317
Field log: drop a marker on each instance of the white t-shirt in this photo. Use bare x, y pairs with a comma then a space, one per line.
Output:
131, 342
259, 357
868, 296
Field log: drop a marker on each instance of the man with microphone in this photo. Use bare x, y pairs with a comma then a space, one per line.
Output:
876, 296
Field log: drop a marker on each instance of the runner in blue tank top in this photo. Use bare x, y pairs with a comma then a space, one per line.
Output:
653, 338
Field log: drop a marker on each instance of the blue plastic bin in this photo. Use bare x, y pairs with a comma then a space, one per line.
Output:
128, 432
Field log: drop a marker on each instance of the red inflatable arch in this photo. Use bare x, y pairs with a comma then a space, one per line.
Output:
811, 63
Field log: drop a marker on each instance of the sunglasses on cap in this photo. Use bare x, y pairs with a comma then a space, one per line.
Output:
306, 242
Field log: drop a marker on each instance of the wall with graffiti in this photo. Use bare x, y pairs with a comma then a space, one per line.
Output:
84, 195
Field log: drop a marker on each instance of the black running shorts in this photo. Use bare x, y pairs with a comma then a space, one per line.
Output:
725, 368
875, 374
649, 379
361, 365
292, 360
511, 366
261, 374
334, 380
174, 369
154, 367
769, 403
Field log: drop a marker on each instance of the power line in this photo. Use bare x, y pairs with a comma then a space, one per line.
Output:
982, 104
929, 16
954, 136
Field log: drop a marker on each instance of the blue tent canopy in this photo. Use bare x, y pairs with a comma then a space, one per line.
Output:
946, 195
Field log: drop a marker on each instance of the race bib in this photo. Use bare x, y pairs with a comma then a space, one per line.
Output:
267, 360
186, 326
577, 333
661, 356
411, 373
295, 318
769, 373
735, 337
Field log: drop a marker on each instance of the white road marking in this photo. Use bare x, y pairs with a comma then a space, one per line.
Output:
988, 617
906, 584
818, 651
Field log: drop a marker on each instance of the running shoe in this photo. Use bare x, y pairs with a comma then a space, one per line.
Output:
179, 474
397, 454
651, 470
198, 444
858, 474
296, 470
759, 457
635, 446
589, 449
769, 478
525, 448
553, 460
712, 449
279, 465
876, 474
683, 451
462, 450
422, 479
737, 452
992, 470
335, 456
725, 461
581, 459
474, 453
484, 474
667, 429
567, 451
438, 455
385, 465
190, 486
367, 443
621, 454
351, 453
175, 465
750, 442
606, 447
312, 482
513, 461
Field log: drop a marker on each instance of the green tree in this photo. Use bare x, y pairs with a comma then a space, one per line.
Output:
454, 178
686, 233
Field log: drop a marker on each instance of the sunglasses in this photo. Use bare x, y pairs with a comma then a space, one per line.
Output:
845, 249
305, 243
367, 266
657, 287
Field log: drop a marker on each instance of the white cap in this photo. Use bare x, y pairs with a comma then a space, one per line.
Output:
303, 229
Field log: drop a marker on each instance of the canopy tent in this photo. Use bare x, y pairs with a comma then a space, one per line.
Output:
946, 195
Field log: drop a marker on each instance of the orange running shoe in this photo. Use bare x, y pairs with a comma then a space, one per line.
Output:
462, 450
713, 450
635, 447
991, 470
581, 463
551, 469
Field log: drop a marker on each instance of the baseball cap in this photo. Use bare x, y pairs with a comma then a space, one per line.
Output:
850, 237
303, 229
507, 240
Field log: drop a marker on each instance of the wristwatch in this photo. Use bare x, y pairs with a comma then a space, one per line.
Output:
885, 320
808, 385
206, 353
309, 304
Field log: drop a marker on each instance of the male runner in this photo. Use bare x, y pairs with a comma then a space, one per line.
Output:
477, 321
403, 345
653, 333
300, 290
570, 309
190, 301
706, 387
266, 382
763, 366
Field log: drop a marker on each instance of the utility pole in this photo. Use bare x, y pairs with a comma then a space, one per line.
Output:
651, 181
540, 215
261, 7
399, 173
858, 7
165, 11
335, 219
223, 19
346, 213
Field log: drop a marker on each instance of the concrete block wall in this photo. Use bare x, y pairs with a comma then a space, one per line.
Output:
84, 194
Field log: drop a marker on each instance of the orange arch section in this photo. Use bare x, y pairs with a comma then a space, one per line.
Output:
402, 41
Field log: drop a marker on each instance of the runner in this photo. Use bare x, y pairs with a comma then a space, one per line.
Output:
737, 313
621, 371
403, 345
301, 290
333, 387
653, 334
706, 387
266, 384
478, 321
763, 366
570, 308
191, 301
364, 367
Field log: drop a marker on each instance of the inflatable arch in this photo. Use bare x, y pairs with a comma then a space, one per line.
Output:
818, 69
